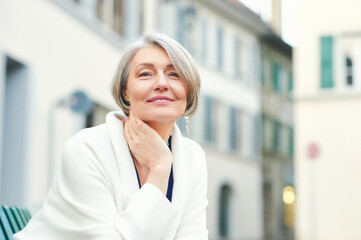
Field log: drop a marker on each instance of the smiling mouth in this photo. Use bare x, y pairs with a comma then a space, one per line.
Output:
160, 100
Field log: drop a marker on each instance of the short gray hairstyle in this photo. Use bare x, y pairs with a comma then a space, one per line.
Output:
182, 62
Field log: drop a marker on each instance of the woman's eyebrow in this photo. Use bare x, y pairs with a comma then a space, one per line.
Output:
144, 65
151, 65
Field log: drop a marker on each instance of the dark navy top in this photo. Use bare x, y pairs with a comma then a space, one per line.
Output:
170, 181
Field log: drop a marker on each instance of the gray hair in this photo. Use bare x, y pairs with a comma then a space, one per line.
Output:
182, 62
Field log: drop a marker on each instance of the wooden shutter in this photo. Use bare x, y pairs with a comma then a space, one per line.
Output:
326, 62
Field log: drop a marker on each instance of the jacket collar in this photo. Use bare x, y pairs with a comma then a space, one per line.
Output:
126, 169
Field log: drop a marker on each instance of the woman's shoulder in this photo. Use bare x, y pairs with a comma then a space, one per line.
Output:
88, 148
192, 145
93, 138
92, 134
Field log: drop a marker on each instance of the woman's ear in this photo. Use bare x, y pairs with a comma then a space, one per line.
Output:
125, 95
126, 98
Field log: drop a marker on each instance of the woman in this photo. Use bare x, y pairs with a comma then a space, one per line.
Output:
120, 180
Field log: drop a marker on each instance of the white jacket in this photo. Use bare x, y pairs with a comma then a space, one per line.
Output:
95, 193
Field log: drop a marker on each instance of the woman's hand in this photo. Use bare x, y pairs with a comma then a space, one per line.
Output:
150, 150
145, 144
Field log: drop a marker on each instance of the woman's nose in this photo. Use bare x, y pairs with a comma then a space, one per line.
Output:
161, 83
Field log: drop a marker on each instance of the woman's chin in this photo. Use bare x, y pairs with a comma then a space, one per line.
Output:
159, 118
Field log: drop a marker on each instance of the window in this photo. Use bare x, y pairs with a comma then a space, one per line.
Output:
264, 135
100, 10
291, 142
118, 16
266, 72
326, 62
290, 82
346, 49
257, 134
349, 71
237, 58
210, 125
276, 135
263, 74
186, 18
252, 64
102, 16
204, 41
220, 48
111, 15
267, 132
225, 210
235, 131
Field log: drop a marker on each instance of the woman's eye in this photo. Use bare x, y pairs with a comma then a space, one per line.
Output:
144, 74
174, 74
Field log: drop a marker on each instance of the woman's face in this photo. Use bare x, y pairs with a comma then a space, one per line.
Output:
154, 89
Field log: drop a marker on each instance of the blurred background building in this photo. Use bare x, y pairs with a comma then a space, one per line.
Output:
327, 120
57, 60
277, 110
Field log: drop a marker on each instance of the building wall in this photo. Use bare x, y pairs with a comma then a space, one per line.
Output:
327, 118
83, 54
222, 88
62, 55
277, 141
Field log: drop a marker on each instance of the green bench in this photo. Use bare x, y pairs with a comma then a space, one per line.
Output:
12, 220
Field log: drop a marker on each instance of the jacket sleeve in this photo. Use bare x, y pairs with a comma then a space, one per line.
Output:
193, 225
85, 188
80, 205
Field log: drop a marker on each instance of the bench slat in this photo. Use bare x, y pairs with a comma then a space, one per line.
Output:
26, 214
12, 221
17, 217
5, 224
22, 215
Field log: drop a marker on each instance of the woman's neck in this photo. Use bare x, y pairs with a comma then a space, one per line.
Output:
164, 129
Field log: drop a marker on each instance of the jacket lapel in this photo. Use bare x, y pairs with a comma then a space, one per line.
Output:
179, 171
126, 169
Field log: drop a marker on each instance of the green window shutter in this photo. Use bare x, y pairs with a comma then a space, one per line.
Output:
326, 62
276, 77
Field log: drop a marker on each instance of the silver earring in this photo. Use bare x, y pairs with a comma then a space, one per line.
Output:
186, 118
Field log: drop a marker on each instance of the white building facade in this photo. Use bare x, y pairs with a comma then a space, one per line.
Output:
50, 49
277, 145
327, 121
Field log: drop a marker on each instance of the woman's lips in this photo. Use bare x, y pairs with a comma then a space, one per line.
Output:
160, 100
